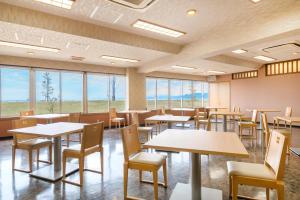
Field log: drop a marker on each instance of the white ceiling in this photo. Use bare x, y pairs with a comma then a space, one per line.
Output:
216, 29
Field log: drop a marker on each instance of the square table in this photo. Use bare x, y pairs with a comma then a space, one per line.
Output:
168, 118
183, 110
55, 131
215, 108
128, 112
48, 117
225, 114
261, 111
197, 142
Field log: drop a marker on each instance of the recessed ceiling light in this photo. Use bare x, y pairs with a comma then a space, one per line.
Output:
264, 58
119, 58
182, 67
68, 44
94, 11
87, 47
191, 12
28, 46
157, 29
77, 58
239, 51
215, 72
30, 52
296, 53
112, 63
42, 40
255, 1
16, 36
59, 3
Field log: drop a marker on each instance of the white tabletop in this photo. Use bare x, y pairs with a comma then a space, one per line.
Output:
264, 110
50, 130
199, 141
225, 113
134, 111
183, 109
168, 118
46, 116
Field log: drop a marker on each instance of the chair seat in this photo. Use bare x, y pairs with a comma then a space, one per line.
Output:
253, 170
148, 158
117, 119
245, 118
246, 123
203, 120
34, 143
145, 128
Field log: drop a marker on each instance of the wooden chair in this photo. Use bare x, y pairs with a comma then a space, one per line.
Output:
134, 158
141, 129
249, 124
26, 113
74, 118
288, 113
267, 175
92, 141
201, 118
266, 131
29, 143
113, 118
237, 110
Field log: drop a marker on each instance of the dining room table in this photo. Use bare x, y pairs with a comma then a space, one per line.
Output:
129, 112
197, 143
215, 109
169, 119
47, 117
55, 131
225, 114
261, 111
183, 111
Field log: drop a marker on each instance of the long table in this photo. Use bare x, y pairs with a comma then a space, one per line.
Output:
225, 114
168, 118
183, 110
55, 131
48, 117
261, 111
197, 142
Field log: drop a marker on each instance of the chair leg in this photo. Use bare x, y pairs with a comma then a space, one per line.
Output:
81, 168
125, 180
37, 157
234, 189
140, 175
30, 160
267, 194
50, 153
68, 140
230, 187
280, 192
101, 160
155, 184
79, 135
165, 174
64, 167
13, 157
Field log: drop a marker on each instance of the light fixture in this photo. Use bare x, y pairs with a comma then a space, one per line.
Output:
30, 52
264, 58
16, 36
239, 51
94, 11
119, 59
68, 44
191, 12
87, 47
28, 46
182, 67
215, 72
157, 29
42, 40
296, 53
255, 1
67, 4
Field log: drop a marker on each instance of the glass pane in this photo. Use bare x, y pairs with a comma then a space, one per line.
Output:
150, 93
47, 92
205, 94
15, 91
97, 92
175, 93
197, 94
187, 94
162, 93
118, 92
72, 92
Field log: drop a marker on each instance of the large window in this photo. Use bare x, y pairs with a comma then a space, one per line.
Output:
47, 92
117, 92
14, 91
71, 92
174, 93
162, 93
97, 92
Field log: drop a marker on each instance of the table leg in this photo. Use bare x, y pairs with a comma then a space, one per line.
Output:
225, 123
169, 125
57, 153
195, 176
260, 121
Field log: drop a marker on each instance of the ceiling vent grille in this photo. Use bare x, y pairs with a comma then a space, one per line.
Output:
288, 47
134, 4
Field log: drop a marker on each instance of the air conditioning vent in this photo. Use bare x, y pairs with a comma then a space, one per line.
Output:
134, 4
77, 58
283, 48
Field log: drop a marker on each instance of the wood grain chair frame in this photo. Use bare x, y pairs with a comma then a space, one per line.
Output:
134, 158
74, 118
148, 130
113, 118
92, 142
249, 125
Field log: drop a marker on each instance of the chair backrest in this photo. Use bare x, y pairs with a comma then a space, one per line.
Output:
26, 113
135, 119
74, 117
208, 126
254, 116
276, 153
163, 110
23, 123
265, 124
112, 113
92, 136
288, 111
131, 142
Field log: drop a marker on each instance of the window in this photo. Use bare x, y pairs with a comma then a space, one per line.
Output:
71, 92
187, 94
162, 99
97, 92
14, 91
47, 92
151, 93
175, 93
117, 92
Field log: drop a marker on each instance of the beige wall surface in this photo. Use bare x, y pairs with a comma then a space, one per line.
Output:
274, 92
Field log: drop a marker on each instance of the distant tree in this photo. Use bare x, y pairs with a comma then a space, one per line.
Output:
47, 92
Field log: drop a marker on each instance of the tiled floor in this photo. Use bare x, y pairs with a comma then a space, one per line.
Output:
18, 185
